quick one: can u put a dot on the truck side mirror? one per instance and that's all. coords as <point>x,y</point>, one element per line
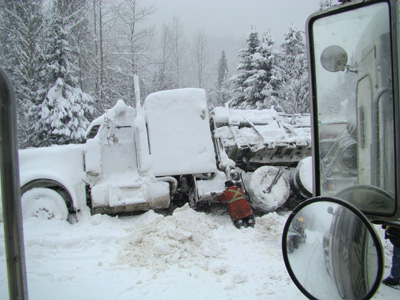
<point>334,58</point>
<point>355,114</point>
<point>332,251</point>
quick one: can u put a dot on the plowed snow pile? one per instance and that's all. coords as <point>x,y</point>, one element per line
<point>187,255</point>
<point>190,239</point>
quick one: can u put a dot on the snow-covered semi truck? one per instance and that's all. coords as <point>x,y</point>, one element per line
<point>143,158</point>
<point>133,159</point>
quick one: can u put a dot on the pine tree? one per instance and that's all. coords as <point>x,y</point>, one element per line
<point>324,4</point>
<point>159,81</point>
<point>257,83</point>
<point>222,70</point>
<point>242,83</point>
<point>61,108</point>
<point>222,91</point>
<point>270,73</point>
<point>295,88</point>
<point>21,33</point>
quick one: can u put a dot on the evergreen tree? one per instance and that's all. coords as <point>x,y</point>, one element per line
<point>61,109</point>
<point>222,92</point>
<point>295,88</point>
<point>21,26</point>
<point>257,83</point>
<point>324,4</point>
<point>222,70</point>
<point>270,73</point>
<point>159,81</point>
<point>242,84</point>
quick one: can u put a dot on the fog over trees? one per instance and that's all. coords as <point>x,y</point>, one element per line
<point>69,60</point>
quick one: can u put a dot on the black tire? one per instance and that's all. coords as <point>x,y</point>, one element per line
<point>296,243</point>
<point>290,245</point>
<point>296,181</point>
<point>297,185</point>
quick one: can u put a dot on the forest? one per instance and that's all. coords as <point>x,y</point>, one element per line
<point>70,60</point>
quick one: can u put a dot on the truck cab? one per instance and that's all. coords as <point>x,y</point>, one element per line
<point>140,158</point>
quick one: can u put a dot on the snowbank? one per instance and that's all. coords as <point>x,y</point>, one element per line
<point>187,255</point>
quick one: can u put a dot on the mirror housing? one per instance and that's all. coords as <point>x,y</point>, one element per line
<point>10,192</point>
<point>356,114</point>
<point>332,251</point>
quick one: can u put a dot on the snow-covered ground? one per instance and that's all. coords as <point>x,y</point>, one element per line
<point>186,255</point>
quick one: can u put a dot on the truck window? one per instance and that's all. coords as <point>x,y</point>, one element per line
<point>93,132</point>
<point>354,107</point>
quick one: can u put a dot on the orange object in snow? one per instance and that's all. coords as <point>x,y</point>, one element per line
<point>238,206</point>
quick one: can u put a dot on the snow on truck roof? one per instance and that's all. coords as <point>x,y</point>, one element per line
<point>235,116</point>
<point>179,132</point>
<point>120,108</point>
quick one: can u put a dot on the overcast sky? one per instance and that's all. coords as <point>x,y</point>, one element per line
<point>234,18</point>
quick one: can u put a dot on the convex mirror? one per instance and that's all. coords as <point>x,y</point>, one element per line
<point>332,251</point>
<point>334,58</point>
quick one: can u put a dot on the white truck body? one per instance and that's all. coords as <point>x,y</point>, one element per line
<point>179,133</point>
<point>132,160</point>
<point>47,166</point>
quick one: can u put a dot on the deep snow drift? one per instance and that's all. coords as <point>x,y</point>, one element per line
<point>186,255</point>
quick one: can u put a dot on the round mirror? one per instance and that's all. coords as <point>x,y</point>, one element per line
<point>334,58</point>
<point>332,251</point>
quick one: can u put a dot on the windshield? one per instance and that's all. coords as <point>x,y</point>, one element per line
<point>354,108</point>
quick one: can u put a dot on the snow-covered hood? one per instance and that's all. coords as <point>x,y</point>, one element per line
<point>64,164</point>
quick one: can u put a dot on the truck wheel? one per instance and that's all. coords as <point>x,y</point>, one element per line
<point>43,203</point>
<point>296,243</point>
<point>301,178</point>
<point>290,246</point>
<point>268,188</point>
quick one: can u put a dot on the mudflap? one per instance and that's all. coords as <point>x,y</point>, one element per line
<point>193,194</point>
